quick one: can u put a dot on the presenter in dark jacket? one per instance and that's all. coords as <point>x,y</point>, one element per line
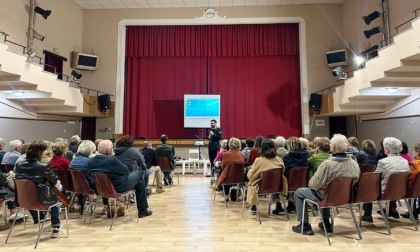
<point>215,135</point>
<point>120,176</point>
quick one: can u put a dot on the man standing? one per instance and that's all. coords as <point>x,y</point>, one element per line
<point>338,165</point>
<point>215,134</point>
<point>166,150</point>
<point>150,158</point>
<point>118,173</point>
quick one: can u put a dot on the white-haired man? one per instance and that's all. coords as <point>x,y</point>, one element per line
<point>338,165</point>
<point>281,150</point>
<point>14,153</point>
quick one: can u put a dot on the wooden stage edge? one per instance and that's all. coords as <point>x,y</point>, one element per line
<point>174,142</point>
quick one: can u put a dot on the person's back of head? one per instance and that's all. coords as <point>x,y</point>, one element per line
<point>258,142</point>
<point>147,145</point>
<point>164,138</point>
<point>294,144</point>
<point>280,142</point>
<point>125,141</point>
<point>234,144</point>
<point>36,149</point>
<point>323,144</point>
<point>105,147</point>
<point>59,148</point>
<point>353,142</point>
<point>369,146</point>
<point>15,145</point>
<point>404,148</point>
<point>75,139</point>
<point>224,144</point>
<point>417,151</point>
<point>86,148</point>
<point>339,143</point>
<point>268,149</point>
<point>393,145</point>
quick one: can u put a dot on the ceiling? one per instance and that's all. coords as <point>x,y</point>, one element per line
<point>133,4</point>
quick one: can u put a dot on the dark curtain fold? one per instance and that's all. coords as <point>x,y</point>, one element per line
<point>255,69</point>
<point>88,128</point>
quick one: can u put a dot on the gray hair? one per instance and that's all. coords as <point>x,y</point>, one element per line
<point>280,141</point>
<point>224,144</point>
<point>234,143</point>
<point>59,147</point>
<point>304,142</point>
<point>75,139</point>
<point>339,142</point>
<point>86,148</point>
<point>61,140</point>
<point>14,144</point>
<point>393,144</point>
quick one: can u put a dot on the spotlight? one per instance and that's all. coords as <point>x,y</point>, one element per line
<point>372,16</point>
<point>339,72</point>
<point>19,93</point>
<point>360,61</point>
<point>44,13</point>
<point>38,36</point>
<point>31,53</point>
<point>372,31</point>
<point>391,90</point>
<point>76,75</point>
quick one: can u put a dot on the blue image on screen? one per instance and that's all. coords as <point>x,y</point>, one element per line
<point>202,107</point>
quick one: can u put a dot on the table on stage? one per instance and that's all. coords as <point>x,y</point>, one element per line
<point>196,164</point>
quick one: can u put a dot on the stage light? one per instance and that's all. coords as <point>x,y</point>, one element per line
<point>339,72</point>
<point>391,90</point>
<point>31,53</point>
<point>76,75</point>
<point>373,31</point>
<point>372,16</point>
<point>44,13</point>
<point>38,36</point>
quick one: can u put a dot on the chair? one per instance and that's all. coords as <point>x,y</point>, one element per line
<point>271,182</point>
<point>194,158</point>
<point>367,168</point>
<point>368,190</point>
<point>26,197</point>
<point>66,182</point>
<point>298,178</point>
<point>3,204</point>
<point>413,193</point>
<point>164,165</point>
<point>235,177</point>
<point>8,168</point>
<point>338,193</point>
<point>396,189</point>
<point>81,186</point>
<point>105,188</point>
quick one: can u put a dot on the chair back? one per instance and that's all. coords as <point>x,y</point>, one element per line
<point>414,190</point>
<point>104,186</point>
<point>338,193</point>
<point>65,180</point>
<point>8,168</point>
<point>235,174</point>
<point>26,195</point>
<point>193,154</point>
<point>368,187</point>
<point>80,183</point>
<point>163,163</point>
<point>367,168</point>
<point>271,181</point>
<point>298,178</point>
<point>396,187</point>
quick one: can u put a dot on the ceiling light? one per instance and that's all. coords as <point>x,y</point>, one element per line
<point>339,72</point>
<point>372,16</point>
<point>391,90</point>
<point>44,13</point>
<point>359,60</point>
<point>19,93</point>
<point>31,53</point>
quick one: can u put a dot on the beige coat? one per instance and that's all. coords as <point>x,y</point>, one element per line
<point>260,166</point>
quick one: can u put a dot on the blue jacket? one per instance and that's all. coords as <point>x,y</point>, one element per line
<point>111,166</point>
<point>80,162</point>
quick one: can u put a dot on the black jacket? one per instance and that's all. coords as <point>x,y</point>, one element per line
<point>36,171</point>
<point>166,150</point>
<point>214,143</point>
<point>150,157</point>
<point>130,157</point>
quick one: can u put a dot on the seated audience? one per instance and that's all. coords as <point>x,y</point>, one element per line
<point>353,146</point>
<point>368,153</point>
<point>254,152</point>
<point>118,173</point>
<point>150,157</point>
<point>10,157</point>
<point>381,152</point>
<point>59,160</point>
<point>281,144</point>
<point>338,165</point>
<point>127,155</point>
<point>49,153</point>
<point>219,155</point>
<point>249,144</point>
<point>393,163</point>
<point>305,146</point>
<point>9,193</point>
<point>33,169</point>
<point>74,143</point>
<point>322,152</point>
<point>234,155</point>
<point>268,161</point>
<point>166,150</point>
<point>404,153</point>
<point>414,170</point>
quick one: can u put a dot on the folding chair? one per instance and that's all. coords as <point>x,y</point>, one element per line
<point>3,204</point>
<point>26,197</point>
<point>235,177</point>
<point>81,186</point>
<point>367,168</point>
<point>164,165</point>
<point>413,193</point>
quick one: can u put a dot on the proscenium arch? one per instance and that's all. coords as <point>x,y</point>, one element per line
<point>119,85</point>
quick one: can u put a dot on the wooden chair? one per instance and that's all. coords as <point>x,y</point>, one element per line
<point>81,186</point>
<point>235,177</point>
<point>338,193</point>
<point>26,197</point>
<point>271,182</point>
<point>105,188</point>
<point>164,165</point>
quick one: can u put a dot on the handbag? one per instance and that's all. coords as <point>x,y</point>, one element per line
<point>46,194</point>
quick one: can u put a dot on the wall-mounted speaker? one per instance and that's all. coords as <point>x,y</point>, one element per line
<point>315,101</point>
<point>104,102</point>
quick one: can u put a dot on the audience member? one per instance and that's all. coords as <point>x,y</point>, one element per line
<point>305,146</point>
<point>220,153</point>
<point>2,152</point>
<point>59,160</point>
<point>118,173</point>
<point>254,152</point>
<point>297,156</point>
<point>338,165</point>
<point>404,153</point>
<point>49,153</point>
<point>322,152</point>
<point>381,152</point>
<point>129,156</point>
<point>268,161</point>
<point>74,143</point>
<point>9,193</point>
<point>353,146</point>
<point>33,169</point>
<point>414,171</point>
<point>368,153</point>
<point>150,158</point>
<point>166,150</point>
<point>249,143</point>
<point>393,163</point>
<point>281,144</point>
<point>10,157</point>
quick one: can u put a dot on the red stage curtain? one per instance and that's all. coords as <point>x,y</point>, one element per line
<point>255,68</point>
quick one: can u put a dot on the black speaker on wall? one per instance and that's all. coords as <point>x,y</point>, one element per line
<point>104,102</point>
<point>315,101</point>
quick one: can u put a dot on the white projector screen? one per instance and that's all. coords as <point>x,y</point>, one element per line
<point>200,109</point>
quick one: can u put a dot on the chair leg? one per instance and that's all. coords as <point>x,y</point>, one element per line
<point>323,224</point>
<point>360,214</point>
<point>385,217</point>
<point>214,193</point>
<point>67,221</point>
<point>243,201</point>
<point>42,227</point>
<point>90,208</point>
<point>135,204</point>
<point>284,206</point>
<point>93,210</point>
<point>303,215</point>
<point>269,204</point>
<point>356,226</point>
<point>11,228</point>
<point>224,195</point>
<point>258,213</point>
<point>410,210</point>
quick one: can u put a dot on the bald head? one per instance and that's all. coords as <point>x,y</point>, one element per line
<point>105,147</point>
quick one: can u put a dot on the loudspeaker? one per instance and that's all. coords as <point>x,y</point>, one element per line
<point>315,101</point>
<point>104,102</point>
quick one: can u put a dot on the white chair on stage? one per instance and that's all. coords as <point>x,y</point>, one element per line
<point>193,158</point>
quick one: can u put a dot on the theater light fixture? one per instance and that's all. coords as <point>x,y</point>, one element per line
<point>38,36</point>
<point>76,75</point>
<point>44,13</point>
<point>373,31</point>
<point>339,72</point>
<point>372,16</point>
<point>391,90</point>
<point>31,53</point>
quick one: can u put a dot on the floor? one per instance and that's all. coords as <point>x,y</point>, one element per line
<point>186,219</point>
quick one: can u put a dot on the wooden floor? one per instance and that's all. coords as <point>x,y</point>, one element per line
<point>186,219</point>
